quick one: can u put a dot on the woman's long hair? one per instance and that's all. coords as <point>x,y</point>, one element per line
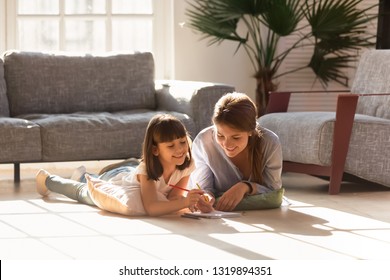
<point>238,111</point>
<point>162,128</point>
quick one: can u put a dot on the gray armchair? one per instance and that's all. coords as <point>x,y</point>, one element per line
<point>353,140</point>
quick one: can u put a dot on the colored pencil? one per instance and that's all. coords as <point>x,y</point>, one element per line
<point>206,198</point>
<point>183,189</point>
<point>177,187</point>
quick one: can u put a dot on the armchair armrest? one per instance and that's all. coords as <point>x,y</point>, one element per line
<point>196,99</point>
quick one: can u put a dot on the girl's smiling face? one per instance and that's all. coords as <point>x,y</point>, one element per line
<point>172,152</point>
<point>232,141</point>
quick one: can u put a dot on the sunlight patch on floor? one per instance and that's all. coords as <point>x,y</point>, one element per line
<point>7,231</point>
<point>378,234</point>
<point>62,204</point>
<point>28,248</point>
<point>39,225</point>
<point>18,207</point>
<point>175,247</point>
<point>296,203</point>
<point>241,227</point>
<point>278,246</point>
<point>349,244</point>
<point>96,247</point>
<point>106,223</point>
<point>342,220</point>
<point>264,227</point>
<point>322,227</point>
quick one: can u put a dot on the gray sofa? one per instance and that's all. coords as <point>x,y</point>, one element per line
<point>61,107</point>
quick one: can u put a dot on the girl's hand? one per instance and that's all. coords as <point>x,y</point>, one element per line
<point>193,197</point>
<point>232,197</point>
<point>205,203</point>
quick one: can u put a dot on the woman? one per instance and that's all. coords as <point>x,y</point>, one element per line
<point>235,158</point>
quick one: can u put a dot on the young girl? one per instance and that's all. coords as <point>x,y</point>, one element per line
<point>235,157</point>
<point>166,162</point>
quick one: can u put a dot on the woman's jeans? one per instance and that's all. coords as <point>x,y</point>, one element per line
<point>79,190</point>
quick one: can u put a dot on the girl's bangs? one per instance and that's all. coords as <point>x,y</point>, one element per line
<point>168,131</point>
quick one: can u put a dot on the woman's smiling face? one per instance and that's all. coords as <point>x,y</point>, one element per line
<point>232,141</point>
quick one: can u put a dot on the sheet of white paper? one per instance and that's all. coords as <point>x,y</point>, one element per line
<point>214,214</point>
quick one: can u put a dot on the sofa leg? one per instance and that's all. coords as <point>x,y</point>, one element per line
<point>16,172</point>
<point>335,183</point>
<point>346,107</point>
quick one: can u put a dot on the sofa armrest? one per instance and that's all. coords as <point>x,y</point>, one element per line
<point>196,99</point>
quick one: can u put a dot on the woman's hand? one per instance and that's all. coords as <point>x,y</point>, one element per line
<point>205,203</point>
<point>229,200</point>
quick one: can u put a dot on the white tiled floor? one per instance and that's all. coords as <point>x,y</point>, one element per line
<point>352,225</point>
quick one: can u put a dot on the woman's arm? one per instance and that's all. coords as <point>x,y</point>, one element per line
<point>272,174</point>
<point>154,207</point>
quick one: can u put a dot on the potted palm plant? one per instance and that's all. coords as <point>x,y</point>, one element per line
<point>333,29</point>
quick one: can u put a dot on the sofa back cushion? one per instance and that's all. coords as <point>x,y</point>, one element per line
<point>372,76</point>
<point>4,110</point>
<point>59,83</point>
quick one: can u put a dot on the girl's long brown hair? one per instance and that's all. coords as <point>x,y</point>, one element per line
<point>162,128</point>
<point>238,111</point>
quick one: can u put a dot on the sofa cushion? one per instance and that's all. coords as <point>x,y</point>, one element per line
<point>4,109</point>
<point>92,136</point>
<point>308,142</point>
<point>57,84</point>
<point>20,141</point>
<point>372,77</point>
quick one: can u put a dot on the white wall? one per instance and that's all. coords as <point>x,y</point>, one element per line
<point>2,23</point>
<point>196,61</point>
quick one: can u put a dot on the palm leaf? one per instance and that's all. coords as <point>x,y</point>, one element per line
<point>345,43</point>
<point>338,27</point>
<point>233,8</point>
<point>328,68</point>
<point>283,16</point>
<point>329,19</point>
<point>209,18</point>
